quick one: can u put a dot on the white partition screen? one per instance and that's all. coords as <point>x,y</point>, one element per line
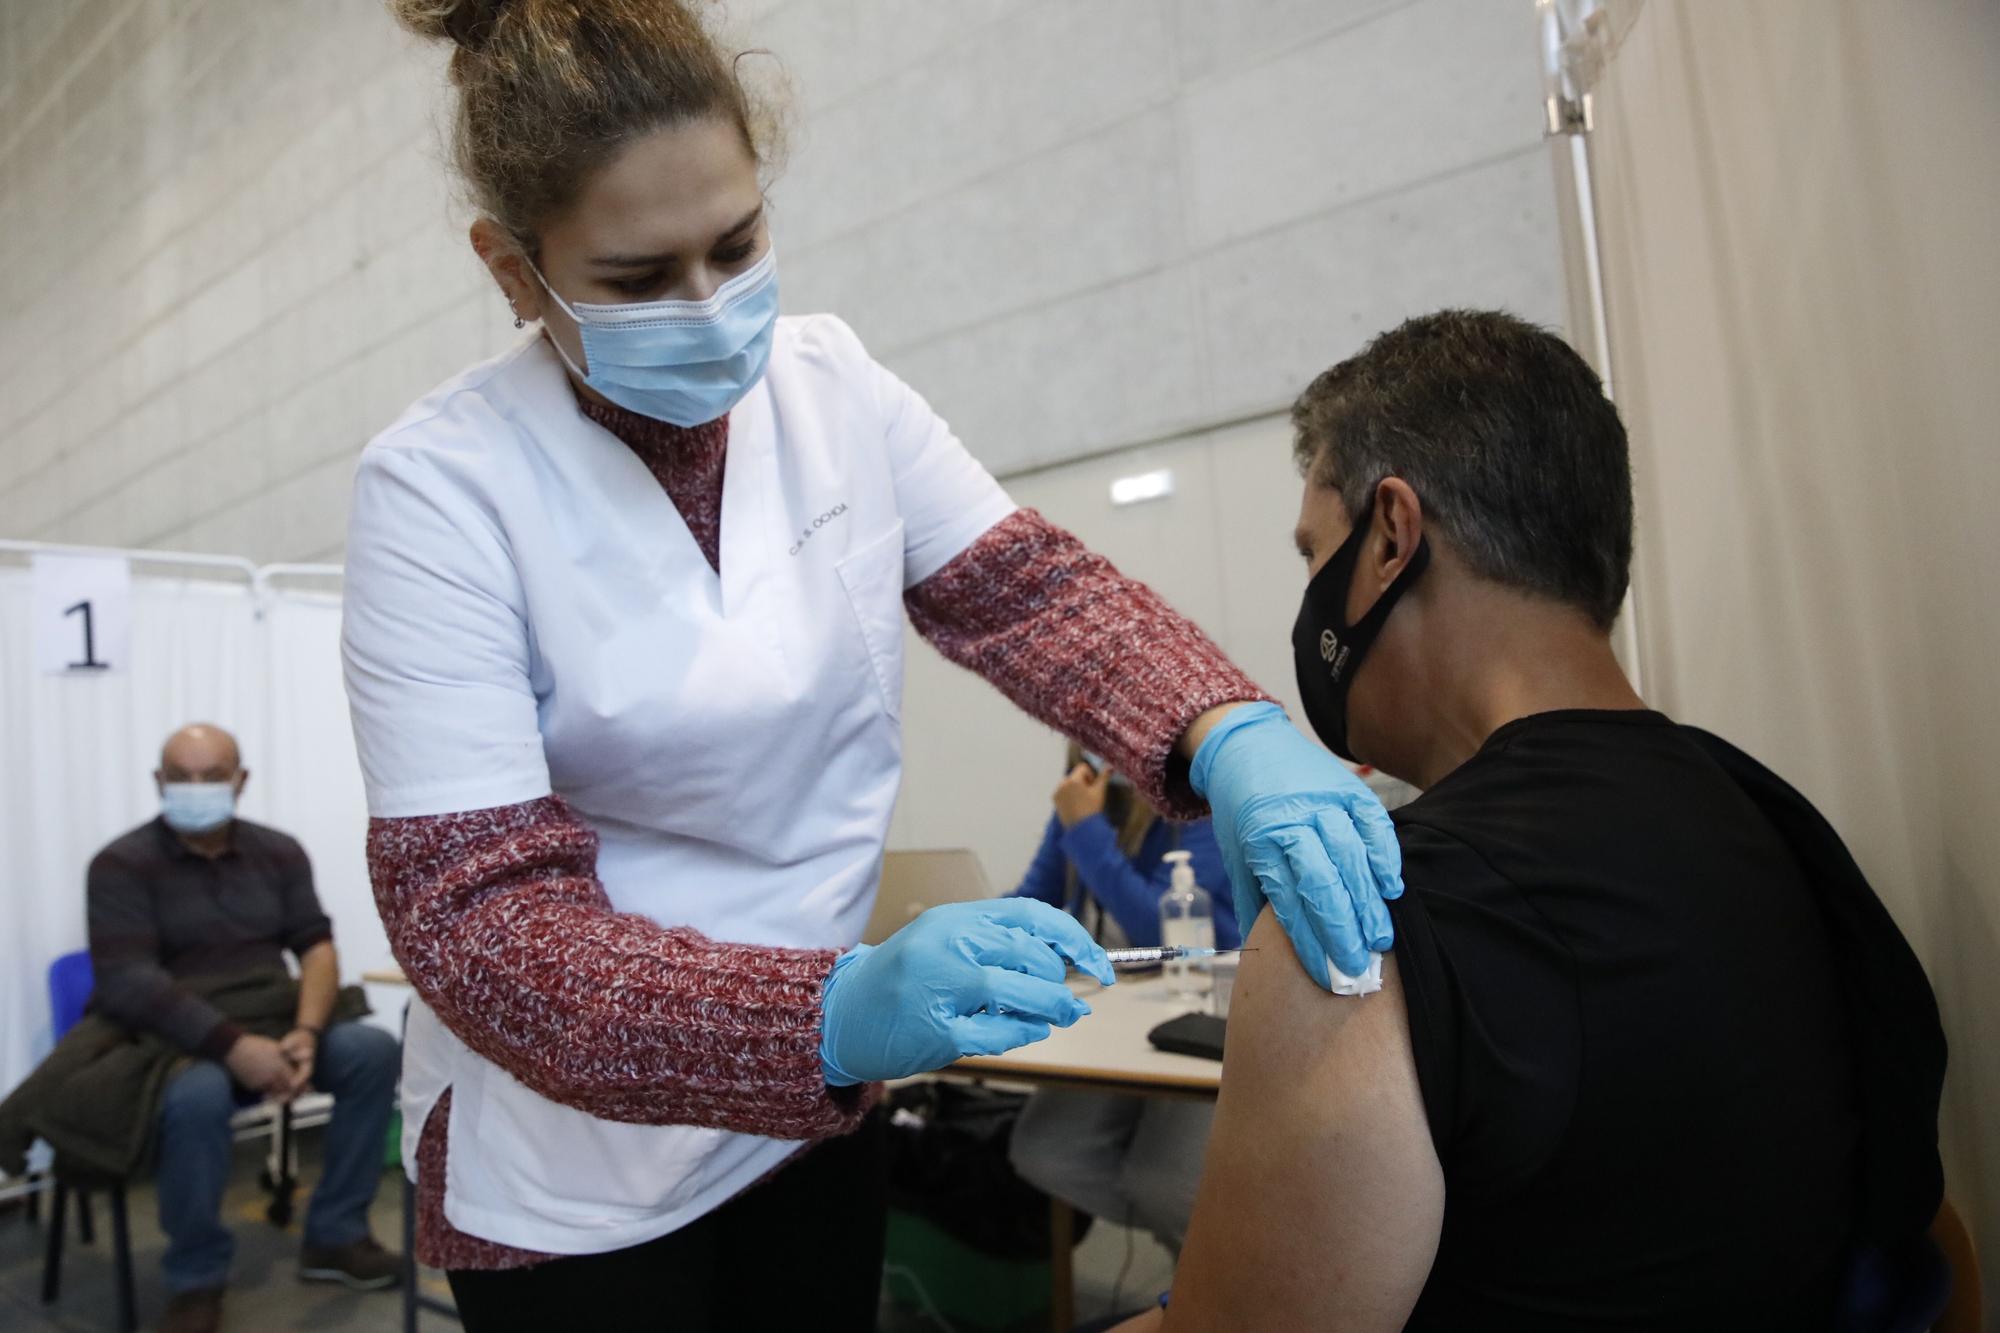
<point>77,753</point>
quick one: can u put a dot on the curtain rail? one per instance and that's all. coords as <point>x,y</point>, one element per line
<point>256,575</point>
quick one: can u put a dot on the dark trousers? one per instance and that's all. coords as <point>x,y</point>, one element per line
<point>358,1065</point>
<point>801,1250</point>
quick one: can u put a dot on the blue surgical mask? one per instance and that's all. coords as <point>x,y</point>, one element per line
<point>197,807</point>
<point>687,362</point>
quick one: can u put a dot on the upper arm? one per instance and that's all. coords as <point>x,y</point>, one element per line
<point>1321,1195</point>
<point>946,499</point>
<point>306,923</point>
<point>434,642</point>
<point>119,915</point>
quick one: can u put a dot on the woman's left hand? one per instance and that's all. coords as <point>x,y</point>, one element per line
<point>1298,830</point>
<point>1081,795</point>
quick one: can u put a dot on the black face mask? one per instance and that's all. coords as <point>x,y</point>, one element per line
<point>1326,650</point>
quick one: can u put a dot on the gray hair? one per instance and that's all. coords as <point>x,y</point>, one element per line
<point>1506,436</point>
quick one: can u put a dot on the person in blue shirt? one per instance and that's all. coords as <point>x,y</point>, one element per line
<point>1131,1160</point>
<point>1102,859</point>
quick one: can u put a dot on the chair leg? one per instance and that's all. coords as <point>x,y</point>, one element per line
<point>274,1150</point>
<point>86,1218</point>
<point>52,1258</point>
<point>121,1250</point>
<point>283,1173</point>
<point>409,1253</point>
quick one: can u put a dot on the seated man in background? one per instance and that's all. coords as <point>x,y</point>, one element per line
<point>195,896</point>
<point>1649,1053</point>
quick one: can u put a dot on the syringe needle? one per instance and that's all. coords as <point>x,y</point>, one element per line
<point>1163,953</point>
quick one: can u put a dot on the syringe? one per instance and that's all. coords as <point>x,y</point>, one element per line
<point>1160,953</point>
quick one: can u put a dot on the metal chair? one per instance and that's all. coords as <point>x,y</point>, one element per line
<point>70,984</point>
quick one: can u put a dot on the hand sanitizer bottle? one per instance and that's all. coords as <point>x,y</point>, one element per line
<point>1187,918</point>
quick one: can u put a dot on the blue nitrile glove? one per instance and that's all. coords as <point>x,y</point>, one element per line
<point>962,979</point>
<point>1300,831</point>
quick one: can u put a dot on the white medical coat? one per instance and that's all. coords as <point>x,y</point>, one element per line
<point>527,612</point>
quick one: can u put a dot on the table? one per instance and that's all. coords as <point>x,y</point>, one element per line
<point>1106,1051</point>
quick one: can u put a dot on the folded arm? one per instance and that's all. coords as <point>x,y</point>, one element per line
<point>1321,1195</point>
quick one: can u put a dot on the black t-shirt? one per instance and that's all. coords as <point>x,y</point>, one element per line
<point>1630,1038</point>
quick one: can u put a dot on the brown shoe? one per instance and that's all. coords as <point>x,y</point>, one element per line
<point>193,1312</point>
<point>362,1266</point>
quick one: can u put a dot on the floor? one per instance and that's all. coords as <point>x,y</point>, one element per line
<point>1111,1263</point>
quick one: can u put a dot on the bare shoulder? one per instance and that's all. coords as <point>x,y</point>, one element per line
<point>1280,1019</point>
<point>1321,1195</point>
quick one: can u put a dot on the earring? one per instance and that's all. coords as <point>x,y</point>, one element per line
<point>520,323</point>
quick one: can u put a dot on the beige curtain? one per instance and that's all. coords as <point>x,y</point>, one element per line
<point>1799,202</point>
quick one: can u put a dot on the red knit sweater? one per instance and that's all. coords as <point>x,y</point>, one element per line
<point>499,921</point>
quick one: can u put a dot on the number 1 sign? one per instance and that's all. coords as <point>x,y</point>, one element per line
<point>83,613</point>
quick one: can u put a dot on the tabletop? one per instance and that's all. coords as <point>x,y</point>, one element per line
<point>1107,1049</point>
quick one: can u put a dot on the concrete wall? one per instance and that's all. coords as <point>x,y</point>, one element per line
<point>229,263</point>
<point>232,253</point>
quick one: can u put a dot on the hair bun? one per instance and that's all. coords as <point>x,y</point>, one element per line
<point>469,23</point>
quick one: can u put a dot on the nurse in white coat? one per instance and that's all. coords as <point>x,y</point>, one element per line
<point>624,638</point>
